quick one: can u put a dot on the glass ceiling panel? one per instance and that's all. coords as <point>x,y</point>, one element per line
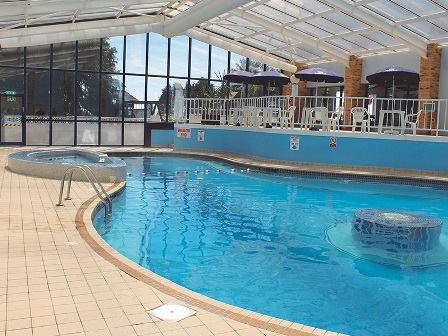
<point>287,7</point>
<point>224,31</point>
<point>305,52</point>
<point>272,14</point>
<point>272,42</point>
<point>311,30</point>
<point>258,44</point>
<point>346,45</point>
<point>312,6</point>
<point>346,21</point>
<point>419,7</point>
<point>390,10</point>
<point>427,30</point>
<point>329,25</point>
<point>364,42</point>
<point>382,38</point>
<point>441,22</point>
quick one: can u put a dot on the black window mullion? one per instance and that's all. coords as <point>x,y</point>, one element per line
<point>168,63</point>
<point>50,128</point>
<point>209,70</point>
<point>75,135</point>
<point>100,103</point>
<point>145,112</point>
<point>122,91</point>
<point>25,100</point>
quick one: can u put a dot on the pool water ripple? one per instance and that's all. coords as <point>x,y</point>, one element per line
<point>258,241</point>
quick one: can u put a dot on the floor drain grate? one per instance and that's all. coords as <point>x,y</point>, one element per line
<point>172,312</point>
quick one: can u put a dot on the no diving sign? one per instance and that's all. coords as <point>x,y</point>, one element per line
<point>333,142</point>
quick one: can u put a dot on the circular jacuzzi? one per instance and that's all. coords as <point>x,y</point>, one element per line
<point>396,230</point>
<point>53,164</point>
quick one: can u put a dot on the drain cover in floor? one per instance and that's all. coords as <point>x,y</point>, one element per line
<point>172,312</point>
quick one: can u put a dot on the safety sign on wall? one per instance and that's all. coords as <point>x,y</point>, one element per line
<point>333,142</point>
<point>201,135</point>
<point>183,133</point>
<point>294,142</point>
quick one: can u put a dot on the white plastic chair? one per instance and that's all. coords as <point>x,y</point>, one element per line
<point>358,117</point>
<point>306,117</point>
<point>412,120</point>
<point>286,117</point>
<point>321,115</point>
<point>335,119</point>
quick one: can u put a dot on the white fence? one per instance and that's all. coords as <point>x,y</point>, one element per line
<point>382,115</point>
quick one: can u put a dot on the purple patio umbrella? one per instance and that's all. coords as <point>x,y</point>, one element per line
<point>273,78</point>
<point>396,74</point>
<point>319,75</point>
<point>239,76</point>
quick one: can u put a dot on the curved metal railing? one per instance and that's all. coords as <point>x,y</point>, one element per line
<point>90,176</point>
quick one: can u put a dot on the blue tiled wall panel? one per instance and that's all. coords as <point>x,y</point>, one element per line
<point>380,151</point>
<point>162,137</point>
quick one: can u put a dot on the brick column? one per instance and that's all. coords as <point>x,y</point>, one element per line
<point>286,89</point>
<point>352,86</point>
<point>429,83</point>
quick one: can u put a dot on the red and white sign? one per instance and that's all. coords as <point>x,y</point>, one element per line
<point>333,142</point>
<point>184,133</point>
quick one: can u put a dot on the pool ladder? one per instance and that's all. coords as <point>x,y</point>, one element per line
<point>96,185</point>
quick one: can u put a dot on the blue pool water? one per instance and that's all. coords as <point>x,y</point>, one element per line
<point>259,241</point>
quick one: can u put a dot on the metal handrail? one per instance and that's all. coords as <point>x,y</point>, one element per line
<point>90,176</point>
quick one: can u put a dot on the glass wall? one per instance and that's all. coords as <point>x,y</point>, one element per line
<point>101,91</point>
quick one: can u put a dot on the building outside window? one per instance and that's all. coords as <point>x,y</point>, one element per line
<point>99,91</point>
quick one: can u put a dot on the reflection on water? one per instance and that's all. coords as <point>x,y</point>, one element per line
<point>260,241</point>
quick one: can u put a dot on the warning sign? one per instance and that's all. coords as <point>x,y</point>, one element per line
<point>333,142</point>
<point>184,133</point>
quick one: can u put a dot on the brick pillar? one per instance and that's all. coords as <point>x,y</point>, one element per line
<point>286,89</point>
<point>352,87</point>
<point>429,83</point>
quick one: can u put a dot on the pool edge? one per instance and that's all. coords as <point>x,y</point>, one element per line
<point>84,225</point>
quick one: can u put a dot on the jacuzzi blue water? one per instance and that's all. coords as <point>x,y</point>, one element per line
<point>259,241</point>
<point>71,159</point>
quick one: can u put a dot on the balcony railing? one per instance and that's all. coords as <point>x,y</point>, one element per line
<point>357,114</point>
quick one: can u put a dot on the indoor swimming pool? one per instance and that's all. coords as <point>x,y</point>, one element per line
<point>285,245</point>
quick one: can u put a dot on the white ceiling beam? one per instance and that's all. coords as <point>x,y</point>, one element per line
<point>240,49</point>
<point>79,31</point>
<point>14,8</point>
<point>412,41</point>
<point>199,13</point>
<point>82,26</point>
<point>334,52</point>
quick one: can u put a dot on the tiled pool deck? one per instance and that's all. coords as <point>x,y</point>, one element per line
<point>53,283</point>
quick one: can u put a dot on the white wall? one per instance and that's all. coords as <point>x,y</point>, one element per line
<point>404,59</point>
<point>443,81</point>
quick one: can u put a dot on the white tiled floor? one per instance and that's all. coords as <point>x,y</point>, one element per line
<point>49,287</point>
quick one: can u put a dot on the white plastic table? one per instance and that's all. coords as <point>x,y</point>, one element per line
<point>392,114</point>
